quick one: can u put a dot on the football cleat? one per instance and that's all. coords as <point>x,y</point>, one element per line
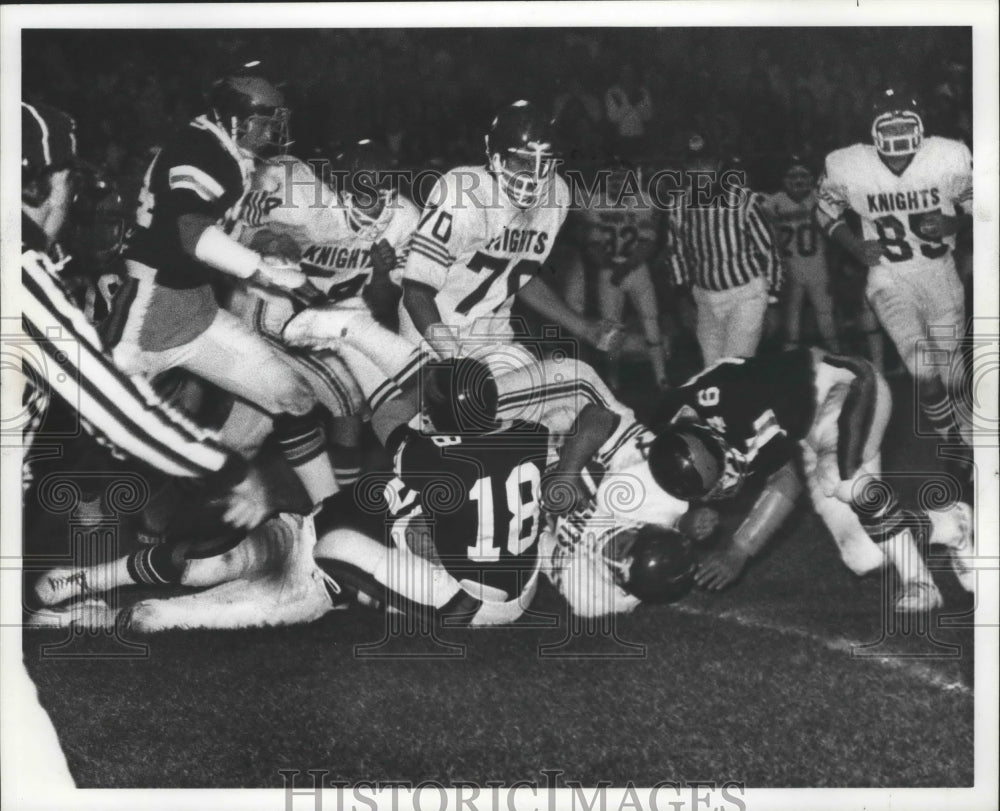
<point>918,597</point>
<point>59,585</point>
<point>91,613</point>
<point>955,528</point>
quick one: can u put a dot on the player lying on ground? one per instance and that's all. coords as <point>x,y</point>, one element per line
<point>762,417</point>
<point>597,527</point>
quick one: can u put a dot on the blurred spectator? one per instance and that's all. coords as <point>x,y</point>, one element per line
<point>629,109</point>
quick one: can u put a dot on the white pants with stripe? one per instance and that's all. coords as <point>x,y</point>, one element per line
<point>731,322</point>
<point>922,307</point>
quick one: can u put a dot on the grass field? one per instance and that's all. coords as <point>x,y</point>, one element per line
<point>795,677</point>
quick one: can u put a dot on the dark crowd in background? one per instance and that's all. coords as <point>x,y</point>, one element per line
<point>430,94</point>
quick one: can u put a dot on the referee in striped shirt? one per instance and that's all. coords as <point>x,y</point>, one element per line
<point>718,242</point>
<point>63,355</point>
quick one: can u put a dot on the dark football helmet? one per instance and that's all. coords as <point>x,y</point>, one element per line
<point>897,124</point>
<point>460,396</point>
<point>253,112</point>
<point>520,153</point>
<point>364,177</point>
<point>798,178</point>
<point>659,563</point>
<point>690,461</point>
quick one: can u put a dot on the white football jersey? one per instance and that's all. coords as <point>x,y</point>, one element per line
<point>621,228</point>
<point>477,249</point>
<point>892,207</point>
<point>287,197</point>
<point>799,238</point>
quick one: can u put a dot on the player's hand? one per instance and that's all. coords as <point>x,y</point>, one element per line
<point>273,271</point>
<point>272,243</point>
<point>720,568</point>
<point>699,524</point>
<point>607,337</point>
<point>564,492</point>
<point>936,225</point>
<point>383,257</point>
<point>248,503</point>
<point>871,252</point>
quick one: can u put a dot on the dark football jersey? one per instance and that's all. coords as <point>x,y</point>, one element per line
<point>200,171</point>
<point>762,406</point>
<point>478,496</point>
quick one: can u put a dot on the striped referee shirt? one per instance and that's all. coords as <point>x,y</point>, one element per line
<point>65,355</point>
<point>719,246</point>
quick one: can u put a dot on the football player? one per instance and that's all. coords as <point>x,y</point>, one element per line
<point>621,236</point>
<point>454,531</point>
<point>756,418</point>
<point>793,215</point>
<point>913,195</point>
<point>482,239</point>
<point>166,314</point>
<point>598,494</point>
<point>350,230</point>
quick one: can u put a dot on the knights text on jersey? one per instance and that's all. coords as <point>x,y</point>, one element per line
<point>892,207</point>
<point>287,197</point>
<point>799,238</point>
<point>480,497</point>
<point>199,172</point>
<point>476,248</point>
<point>762,406</point>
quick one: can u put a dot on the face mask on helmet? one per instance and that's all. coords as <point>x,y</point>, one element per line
<point>369,214</point>
<point>460,396</point>
<point>252,111</point>
<point>898,133</point>
<point>524,173</point>
<point>97,219</point>
<point>652,563</point>
<point>692,462</point>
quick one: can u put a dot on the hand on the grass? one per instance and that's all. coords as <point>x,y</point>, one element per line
<point>249,503</point>
<point>720,568</point>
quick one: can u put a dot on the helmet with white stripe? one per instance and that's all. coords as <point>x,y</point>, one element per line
<point>520,153</point>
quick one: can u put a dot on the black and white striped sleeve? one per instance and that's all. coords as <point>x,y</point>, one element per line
<point>120,410</point>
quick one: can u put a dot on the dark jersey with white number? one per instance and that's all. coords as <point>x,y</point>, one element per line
<point>199,172</point>
<point>478,496</point>
<point>762,406</point>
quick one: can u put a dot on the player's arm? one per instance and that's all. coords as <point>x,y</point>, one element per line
<point>763,237</point>
<point>200,194</point>
<point>550,305</point>
<point>593,427</point>
<point>937,225</point>
<point>832,203</point>
<point>721,567</point>
<point>440,237</point>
